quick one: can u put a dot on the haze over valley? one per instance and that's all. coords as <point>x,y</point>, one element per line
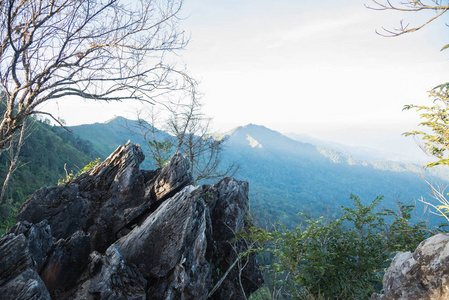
<point>287,176</point>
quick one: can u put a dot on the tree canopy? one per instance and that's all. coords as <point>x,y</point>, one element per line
<point>342,258</point>
<point>436,119</point>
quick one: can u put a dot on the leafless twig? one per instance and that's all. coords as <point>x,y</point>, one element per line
<point>409,6</point>
<point>105,50</point>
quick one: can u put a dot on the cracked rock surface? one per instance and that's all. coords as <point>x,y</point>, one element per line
<point>423,274</point>
<point>118,232</point>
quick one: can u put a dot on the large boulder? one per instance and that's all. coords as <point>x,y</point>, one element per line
<point>18,276</point>
<point>108,199</point>
<point>423,274</point>
<point>118,232</point>
<point>111,277</point>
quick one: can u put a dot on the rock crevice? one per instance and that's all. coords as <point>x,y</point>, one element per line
<point>118,232</point>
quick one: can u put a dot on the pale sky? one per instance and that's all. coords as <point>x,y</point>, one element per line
<point>303,66</point>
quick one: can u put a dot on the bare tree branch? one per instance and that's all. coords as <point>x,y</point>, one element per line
<point>14,149</point>
<point>409,6</point>
<point>190,133</point>
<point>103,50</point>
<point>160,148</point>
<point>191,130</point>
<point>242,249</point>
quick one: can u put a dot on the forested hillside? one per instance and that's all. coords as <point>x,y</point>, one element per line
<point>106,137</point>
<point>287,177</point>
<point>46,151</point>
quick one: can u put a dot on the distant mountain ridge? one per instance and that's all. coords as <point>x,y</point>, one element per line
<point>412,155</point>
<point>107,136</point>
<point>333,155</point>
<point>287,176</point>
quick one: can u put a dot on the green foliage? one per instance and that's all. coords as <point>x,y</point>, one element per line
<point>342,258</point>
<point>404,235</point>
<point>286,176</point>
<point>436,119</point>
<point>161,152</point>
<point>42,158</point>
<point>261,294</point>
<point>8,212</point>
<point>41,163</point>
<point>70,176</point>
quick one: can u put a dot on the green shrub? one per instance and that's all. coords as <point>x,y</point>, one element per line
<point>70,176</point>
<point>342,258</point>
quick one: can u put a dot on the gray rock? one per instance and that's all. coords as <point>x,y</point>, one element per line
<point>112,278</point>
<point>55,204</point>
<point>108,200</point>
<point>40,240</point>
<point>15,256</point>
<point>67,261</point>
<point>423,274</point>
<point>175,251</point>
<point>376,296</point>
<point>18,278</point>
<point>231,208</point>
<point>26,285</point>
<point>161,237</point>
<point>229,198</point>
<point>172,179</point>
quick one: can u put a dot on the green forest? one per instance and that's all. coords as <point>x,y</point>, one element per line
<point>47,156</point>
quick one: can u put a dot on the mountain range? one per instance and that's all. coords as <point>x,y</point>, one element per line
<point>106,137</point>
<point>287,176</point>
<point>394,148</point>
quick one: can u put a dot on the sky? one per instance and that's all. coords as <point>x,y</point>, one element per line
<point>313,67</point>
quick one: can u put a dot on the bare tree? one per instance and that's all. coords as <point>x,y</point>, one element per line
<point>159,143</point>
<point>104,50</point>
<point>244,247</point>
<point>435,6</point>
<point>191,130</point>
<point>189,133</point>
<point>13,148</point>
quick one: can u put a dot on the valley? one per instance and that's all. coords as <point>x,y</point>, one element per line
<point>287,176</point>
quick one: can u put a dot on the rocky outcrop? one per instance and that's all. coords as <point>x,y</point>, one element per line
<point>118,232</point>
<point>422,275</point>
